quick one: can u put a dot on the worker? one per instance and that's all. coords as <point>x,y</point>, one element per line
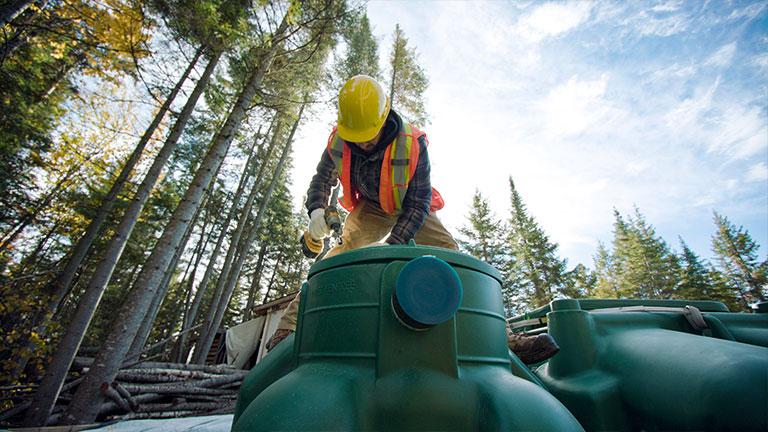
<point>384,169</point>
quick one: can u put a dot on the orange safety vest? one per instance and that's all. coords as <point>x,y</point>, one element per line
<point>400,160</point>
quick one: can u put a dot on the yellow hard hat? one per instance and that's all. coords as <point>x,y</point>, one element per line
<point>363,108</point>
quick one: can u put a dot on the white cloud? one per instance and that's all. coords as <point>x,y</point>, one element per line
<point>552,19</point>
<point>748,12</point>
<point>757,173</point>
<point>739,132</point>
<point>636,167</point>
<point>652,23</point>
<point>670,6</point>
<point>689,111</point>
<point>675,71</point>
<point>723,56</point>
<point>577,105</point>
<point>761,61</point>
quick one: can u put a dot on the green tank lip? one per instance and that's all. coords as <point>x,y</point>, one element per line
<point>402,253</point>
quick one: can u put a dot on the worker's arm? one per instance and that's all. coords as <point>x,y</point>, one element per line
<point>321,184</point>
<point>417,200</point>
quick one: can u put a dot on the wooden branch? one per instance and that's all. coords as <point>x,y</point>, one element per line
<point>166,340</point>
<point>110,407</point>
<point>185,406</point>
<point>85,362</point>
<point>125,394</point>
<point>175,390</point>
<point>15,410</point>
<point>161,375</point>
<point>112,394</point>
<point>154,415</point>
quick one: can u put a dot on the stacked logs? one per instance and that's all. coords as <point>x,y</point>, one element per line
<point>158,390</point>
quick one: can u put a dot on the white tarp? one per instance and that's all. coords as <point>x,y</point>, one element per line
<point>273,320</point>
<point>214,423</point>
<point>243,340</point>
<point>249,337</point>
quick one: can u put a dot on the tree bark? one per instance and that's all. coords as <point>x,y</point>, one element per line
<point>33,214</point>
<point>85,404</point>
<point>146,325</point>
<point>209,332</point>
<point>112,394</point>
<point>45,398</point>
<point>189,282</point>
<point>12,9</point>
<point>191,316</point>
<point>247,313</point>
<point>394,68</point>
<point>60,286</point>
<point>234,275</point>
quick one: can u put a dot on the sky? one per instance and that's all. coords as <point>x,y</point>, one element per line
<point>589,107</point>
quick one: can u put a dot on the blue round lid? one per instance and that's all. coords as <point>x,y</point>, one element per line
<point>428,290</point>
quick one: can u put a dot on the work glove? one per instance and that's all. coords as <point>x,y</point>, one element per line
<point>318,229</point>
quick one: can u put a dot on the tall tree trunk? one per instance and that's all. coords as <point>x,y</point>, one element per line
<point>207,333</point>
<point>191,315</point>
<point>275,268</point>
<point>60,286</point>
<point>189,283</point>
<point>50,386</point>
<point>31,259</point>
<point>234,275</point>
<point>394,67</point>
<point>31,216</point>
<point>247,312</point>
<point>146,325</point>
<point>85,404</point>
<point>10,10</point>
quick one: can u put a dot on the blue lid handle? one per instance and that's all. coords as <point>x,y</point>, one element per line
<point>428,292</point>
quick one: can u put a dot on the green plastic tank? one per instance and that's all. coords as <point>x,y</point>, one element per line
<point>644,365</point>
<point>398,338</point>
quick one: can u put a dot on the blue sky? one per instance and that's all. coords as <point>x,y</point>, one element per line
<point>590,107</point>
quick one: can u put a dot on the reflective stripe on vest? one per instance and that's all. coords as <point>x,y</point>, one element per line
<point>397,168</point>
<point>341,156</point>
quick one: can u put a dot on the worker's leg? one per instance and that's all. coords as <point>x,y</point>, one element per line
<point>433,233</point>
<point>365,225</point>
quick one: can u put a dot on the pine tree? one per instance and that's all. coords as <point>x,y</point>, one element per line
<point>539,273</point>
<point>407,80</point>
<point>362,56</point>
<point>606,285</point>
<point>581,282</point>
<point>738,261</point>
<point>643,264</point>
<point>484,238</point>
<point>694,282</point>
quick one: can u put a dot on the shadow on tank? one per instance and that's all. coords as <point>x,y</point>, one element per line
<point>398,338</point>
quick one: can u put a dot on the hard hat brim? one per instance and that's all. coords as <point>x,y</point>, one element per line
<point>357,136</point>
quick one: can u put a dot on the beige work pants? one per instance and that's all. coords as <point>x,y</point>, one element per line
<point>367,225</point>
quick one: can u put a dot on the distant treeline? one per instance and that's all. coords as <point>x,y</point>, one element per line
<point>638,263</point>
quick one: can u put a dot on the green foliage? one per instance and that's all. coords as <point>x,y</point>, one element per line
<point>484,238</point>
<point>738,261</point>
<point>541,274</point>
<point>407,80</point>
<point>213,23</point>
<point>361,56</point>
<point>581,282</point>
<point>644,266</point>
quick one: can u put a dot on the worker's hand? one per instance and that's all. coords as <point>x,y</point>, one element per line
<point>318,229</point>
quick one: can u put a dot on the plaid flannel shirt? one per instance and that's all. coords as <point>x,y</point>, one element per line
<point>366,172</point>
